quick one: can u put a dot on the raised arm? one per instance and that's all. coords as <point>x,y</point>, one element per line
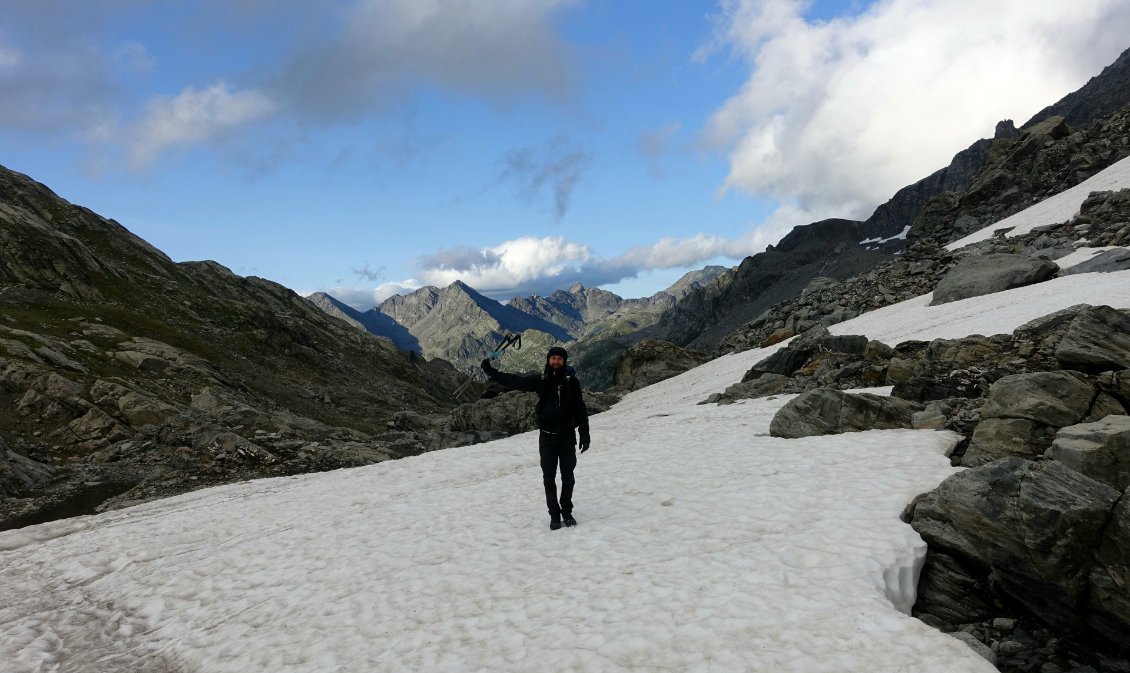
<point>526,382</point>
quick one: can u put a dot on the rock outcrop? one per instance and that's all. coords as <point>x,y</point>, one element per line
<point>1034,530</point>
<point>651,361</point>
<point>985,274</point>
<point>125,376</point>
<point>826,412</point>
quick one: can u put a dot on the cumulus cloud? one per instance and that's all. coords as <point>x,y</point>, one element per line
<point>193,116</point>
<point>525,261</point>
<point>531,265</point>
<point>836,116</point>
<point>554,167</point>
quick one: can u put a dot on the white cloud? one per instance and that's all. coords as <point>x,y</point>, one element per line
<point>528,265</point>
<point>193,116</point>
<point>509,265</point>
<point>837,116</point>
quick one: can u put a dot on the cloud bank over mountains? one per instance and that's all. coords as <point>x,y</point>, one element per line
<point>836,116</point>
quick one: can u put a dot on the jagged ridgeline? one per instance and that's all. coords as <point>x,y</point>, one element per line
<point>460,325</point>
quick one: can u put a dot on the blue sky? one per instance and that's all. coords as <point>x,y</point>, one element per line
<point>363,147</point>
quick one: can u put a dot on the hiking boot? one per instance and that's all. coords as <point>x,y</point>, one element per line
<point>567,519</point>
<point>554,521</point>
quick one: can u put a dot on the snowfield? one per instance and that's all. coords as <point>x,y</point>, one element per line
<point>703,545</point>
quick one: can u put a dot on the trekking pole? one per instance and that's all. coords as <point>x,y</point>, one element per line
<point>508,340</point>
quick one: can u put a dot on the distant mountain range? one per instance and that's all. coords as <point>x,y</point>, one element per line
<point>460,325</point>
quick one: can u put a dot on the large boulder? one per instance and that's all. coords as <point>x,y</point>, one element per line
<point>986,274</point>
<point>652,361</point>
<point>1100,450</point>
<point>136,407</point>
<point>948,591</point>
<point>1034,527</point>
<point>1052,398</point>
<point>509,413</point>
<point>1107,261</point>
<point>18,473</point>
<point>1097,340</point>
<point>825,411</point>
<point>1024,411</point>
<point>790,359</point>
<point>1109,599</point>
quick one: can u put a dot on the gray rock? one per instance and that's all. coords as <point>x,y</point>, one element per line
<point>97,428</point>
<point>785,362</point>
<point>1100,450</point>
<point>818,284</point>
<point>825,411</point>
<point>985,274</point>
<point>143,361</point>
<point>18,473</point>
<point>1103,406</point>
<point>1034,526</point>
<point>766,384</point>
<point>878,351</point>
<point>140,410</point>
<point>845,343</point>
<point>1051,398</point>
<point>651,361</point>
<point>1104,262</point>
<point>230,447</point>
<point>509,413</point>
<point>810,338</point>
<point>933,417</point>
<point>1098,340</point>
<point>1117,384</point>
<point>949,591</point>
<point>996,438</point>
<point>1109,599</point>
<point>902,369</point>
<point>977,646</point>
<point>59,360</point>
<point>136,407</point>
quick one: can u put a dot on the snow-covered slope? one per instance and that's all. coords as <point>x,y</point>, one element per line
<point>703,545</point>
<point>1054,209</point>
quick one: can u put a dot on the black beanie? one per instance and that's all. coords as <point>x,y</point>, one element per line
<point>557,350</point>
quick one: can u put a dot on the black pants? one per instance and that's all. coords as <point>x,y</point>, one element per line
<point>556,449</point>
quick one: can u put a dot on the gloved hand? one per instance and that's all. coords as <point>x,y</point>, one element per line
<point>585,441</point>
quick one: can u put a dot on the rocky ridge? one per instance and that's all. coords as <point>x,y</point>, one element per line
<point>125,376</point>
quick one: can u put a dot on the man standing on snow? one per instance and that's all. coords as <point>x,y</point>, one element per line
<point>560,408</point>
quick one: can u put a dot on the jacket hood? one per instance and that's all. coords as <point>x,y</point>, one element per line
<point>557,350</point>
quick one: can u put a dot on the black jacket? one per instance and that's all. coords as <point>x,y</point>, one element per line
<point>560,405</point>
